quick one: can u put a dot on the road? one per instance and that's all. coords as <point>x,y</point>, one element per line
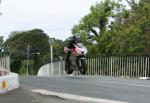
<point>110,88</point>
<point>127,90</point>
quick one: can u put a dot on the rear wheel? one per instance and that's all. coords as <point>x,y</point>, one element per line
<point>83,67</point>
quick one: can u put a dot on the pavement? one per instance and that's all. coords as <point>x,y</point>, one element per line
<point>24,95</point>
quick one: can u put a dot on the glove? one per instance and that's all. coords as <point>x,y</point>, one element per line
<point>65,49</point>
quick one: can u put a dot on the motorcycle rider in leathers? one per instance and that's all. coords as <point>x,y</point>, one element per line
<point>71,44</point>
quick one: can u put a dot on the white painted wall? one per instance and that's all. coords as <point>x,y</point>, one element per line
<point>12,82</point>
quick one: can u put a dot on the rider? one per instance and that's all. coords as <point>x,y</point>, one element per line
<point>71,44</point>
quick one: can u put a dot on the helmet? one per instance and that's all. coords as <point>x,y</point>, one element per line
<point>77,38</point>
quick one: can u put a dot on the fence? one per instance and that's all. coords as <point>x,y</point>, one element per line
<point>4,65</point>
<point>108,66</point>
<point>119,66</point>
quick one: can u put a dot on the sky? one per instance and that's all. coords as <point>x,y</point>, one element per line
<point>55,17</point>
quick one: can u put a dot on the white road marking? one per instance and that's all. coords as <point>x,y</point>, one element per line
<point>137,85</point>
<point>74,97</point>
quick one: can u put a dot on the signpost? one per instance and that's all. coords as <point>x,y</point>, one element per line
<point>4,85</point>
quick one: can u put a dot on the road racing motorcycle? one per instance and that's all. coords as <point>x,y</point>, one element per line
<point>77,59</point>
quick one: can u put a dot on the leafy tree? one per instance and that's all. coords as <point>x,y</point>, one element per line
<point>93,26</point>
<point>18,43</point>
<point>129,35</point>
<point>110,29</point>
<point>96,22</point>
<point>1,45</point>
<point>58,47</point>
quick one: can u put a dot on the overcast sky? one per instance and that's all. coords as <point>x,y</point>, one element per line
<point>55,17</point>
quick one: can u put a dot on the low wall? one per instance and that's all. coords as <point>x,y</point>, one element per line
<point>55,68</point>
<point>9,82</point>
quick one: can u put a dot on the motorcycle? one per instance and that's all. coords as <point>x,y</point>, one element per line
<point>77,59</point>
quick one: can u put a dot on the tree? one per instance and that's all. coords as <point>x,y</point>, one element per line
<point>133,4</point>
<point>58,47</point>
<point>18,43</point>
<point>129,35</point>
<point>1,45</point>
<point>111,30</point>
<point>94,25</point>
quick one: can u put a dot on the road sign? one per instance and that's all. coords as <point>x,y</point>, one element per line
<point>4,84</point>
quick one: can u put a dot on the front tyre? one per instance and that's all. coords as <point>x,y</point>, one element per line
<point>83,67</point>
<point>67,68</point>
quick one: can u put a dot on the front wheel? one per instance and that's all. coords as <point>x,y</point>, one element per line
<point>83,67</point>
<point>68,69</point>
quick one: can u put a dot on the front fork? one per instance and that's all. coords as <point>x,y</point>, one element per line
<point>78,61</point>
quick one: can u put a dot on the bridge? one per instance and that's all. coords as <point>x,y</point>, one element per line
<point>130,67</point>
<point>52,85</point>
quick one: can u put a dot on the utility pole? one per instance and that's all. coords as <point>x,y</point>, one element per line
<point>28,59</point>
<point>51,41</point>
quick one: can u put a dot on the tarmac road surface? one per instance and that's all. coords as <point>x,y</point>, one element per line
<point>101,87</point>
